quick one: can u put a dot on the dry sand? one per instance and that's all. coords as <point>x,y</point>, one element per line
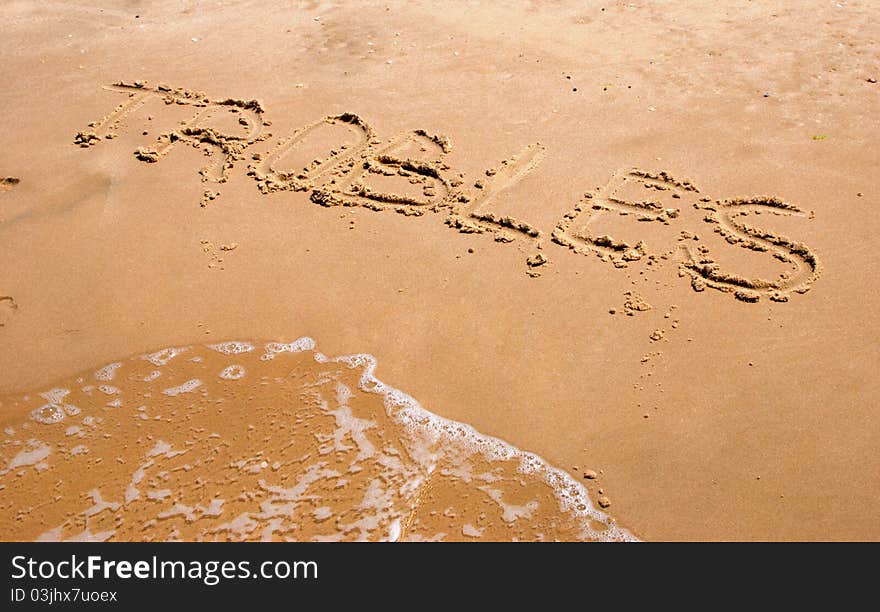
<point>633,238</point>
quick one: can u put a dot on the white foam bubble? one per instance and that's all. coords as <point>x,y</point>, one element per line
<point>48,414</point>
<point>55,396</point>
<point>187,387</point>
<point>86,535</point>
<point>348,427</point>
<point>162,448</point>
<point>394,530</point>
<point>99,504</point>
<point>232,347</point>
<point>131,491</point>
<point>215,508</point>
<point>343,394</point>
<point>152,376</point>
<point>322,513</point>
<point>35,452</point>
<point>297,346</point>
<point>108,389</point>
<point>53,535</point>
<point>510,512</point>
<point>470,531</point>
<point>107,373</point>
<point>160,358</point>
<point>233,372</point>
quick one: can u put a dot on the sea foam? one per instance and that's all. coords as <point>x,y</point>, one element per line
<point>317,448</point>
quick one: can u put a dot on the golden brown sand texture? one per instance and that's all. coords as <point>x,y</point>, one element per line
<point>636,239</point>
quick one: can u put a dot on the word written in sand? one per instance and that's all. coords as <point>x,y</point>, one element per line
<point>408,174</point>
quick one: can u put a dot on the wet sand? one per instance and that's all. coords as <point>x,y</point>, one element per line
<point>236,441</point>
<point>633,239</point>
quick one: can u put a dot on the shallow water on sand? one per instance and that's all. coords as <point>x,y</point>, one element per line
<point>240,441</point>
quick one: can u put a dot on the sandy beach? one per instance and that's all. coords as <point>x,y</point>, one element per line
<point>607,266</point>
